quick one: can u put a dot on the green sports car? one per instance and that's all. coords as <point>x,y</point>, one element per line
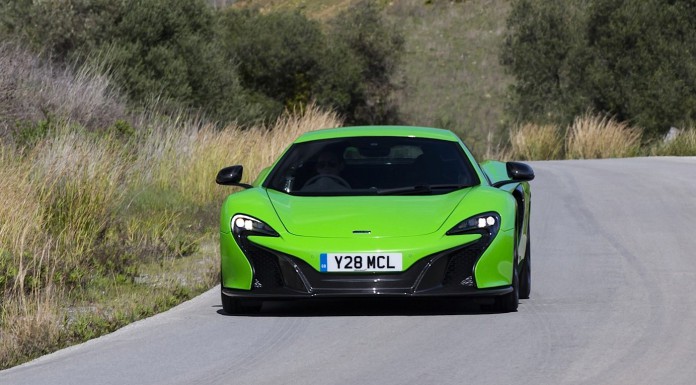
<point>381,211</point>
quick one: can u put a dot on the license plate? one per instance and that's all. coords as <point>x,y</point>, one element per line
<point>360,262</point>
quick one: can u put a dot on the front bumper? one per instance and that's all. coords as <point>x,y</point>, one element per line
<point>278,275</point>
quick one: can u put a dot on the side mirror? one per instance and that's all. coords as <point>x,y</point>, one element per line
<point>519,172</point>
<point>231,176</point>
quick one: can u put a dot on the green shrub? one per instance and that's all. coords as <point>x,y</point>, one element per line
<point>289,61</point>
<point>371,48</point>
<point>161,50</point>
<point>230,65</point>
<point>64,29</point>
<point>542,37</point>
<point>631,59</point>
<point>169,50</point>
<point>278,55</point>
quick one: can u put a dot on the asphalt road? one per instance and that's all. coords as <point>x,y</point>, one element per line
<point>613,302</point>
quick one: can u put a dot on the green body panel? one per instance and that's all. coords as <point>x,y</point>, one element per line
<point>383,216</point>
<point>236,271</point>
<point>494,268</point>
<point>261,177</point>
<point>418,132</point>
<point>496,171</point>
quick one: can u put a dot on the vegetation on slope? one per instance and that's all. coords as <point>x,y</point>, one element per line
<point>111,136</point>
<point>107,219</point>
<point>231,65</point>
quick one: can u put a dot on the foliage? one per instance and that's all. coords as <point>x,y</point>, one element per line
<point>291,61</point>
<point>63,28</point>
<point>532,142</point>
<point>170,50</point>
<point>683,144</point>
<point>241,66</point>
<point>154,49</point>
<point>375,46</point>
<point>631,59</point>
<point>278,55</point>
<point>539,47</point>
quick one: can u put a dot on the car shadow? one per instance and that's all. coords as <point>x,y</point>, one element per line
<point>369,307</point>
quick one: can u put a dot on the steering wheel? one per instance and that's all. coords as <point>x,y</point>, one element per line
<point>335,178</point>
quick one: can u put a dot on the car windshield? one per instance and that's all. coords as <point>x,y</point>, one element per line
<point>372,166</point>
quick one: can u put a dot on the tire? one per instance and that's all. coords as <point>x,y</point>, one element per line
<point>232,305</point>
<point>526,274</point>
<point>508,303</point>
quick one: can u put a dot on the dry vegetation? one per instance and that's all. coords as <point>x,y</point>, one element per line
<point>107,221</point>
<point>33,90</point>
<point>108,216</point>
<point>591,137</point>
<point>529,142</point>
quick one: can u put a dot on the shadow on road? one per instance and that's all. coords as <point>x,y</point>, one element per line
<point>368,307</point>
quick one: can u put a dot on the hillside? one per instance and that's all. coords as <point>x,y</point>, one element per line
<point>450,73</point>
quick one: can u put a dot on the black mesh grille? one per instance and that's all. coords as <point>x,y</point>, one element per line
<point>267,272</point>
<point>460,266</point>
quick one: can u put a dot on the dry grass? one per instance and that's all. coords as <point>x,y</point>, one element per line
<point>535,142</point>
<point>684,144</point>
<point>595,136</point>
<point>83,214</point>
<point>32,89</point>
<point>186,155</point>
<point>29,326</point>
<point>73,213</point>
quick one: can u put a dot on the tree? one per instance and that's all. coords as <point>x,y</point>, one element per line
<point>631,59</point>
<point>373,48</point>
<point>542,41</point>
<point>278,55</point>
<point>170,49</point>
<point>642,66</point>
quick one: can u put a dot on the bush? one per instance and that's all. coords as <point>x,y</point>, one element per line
<point>65,29</point>
<point>231,65</point>
<point>154,49</point>
<point>289,61</point>
<point>542,37</point>
<point>278,55</point>
<point>631,59</point>
<point>533,142</point>
<point>372,48</point>
<point>170,50</point>
<point>595,136</point>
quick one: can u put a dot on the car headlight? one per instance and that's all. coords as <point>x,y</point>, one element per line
<point>246,225</point>
<point>486,224</point>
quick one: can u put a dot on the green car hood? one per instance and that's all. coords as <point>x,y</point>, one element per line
<point>378,216</point>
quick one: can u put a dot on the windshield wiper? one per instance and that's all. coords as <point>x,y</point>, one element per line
<point>419,190</point>
<point>408,190</point>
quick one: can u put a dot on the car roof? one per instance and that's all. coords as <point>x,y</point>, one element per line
<point>402,131</point>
